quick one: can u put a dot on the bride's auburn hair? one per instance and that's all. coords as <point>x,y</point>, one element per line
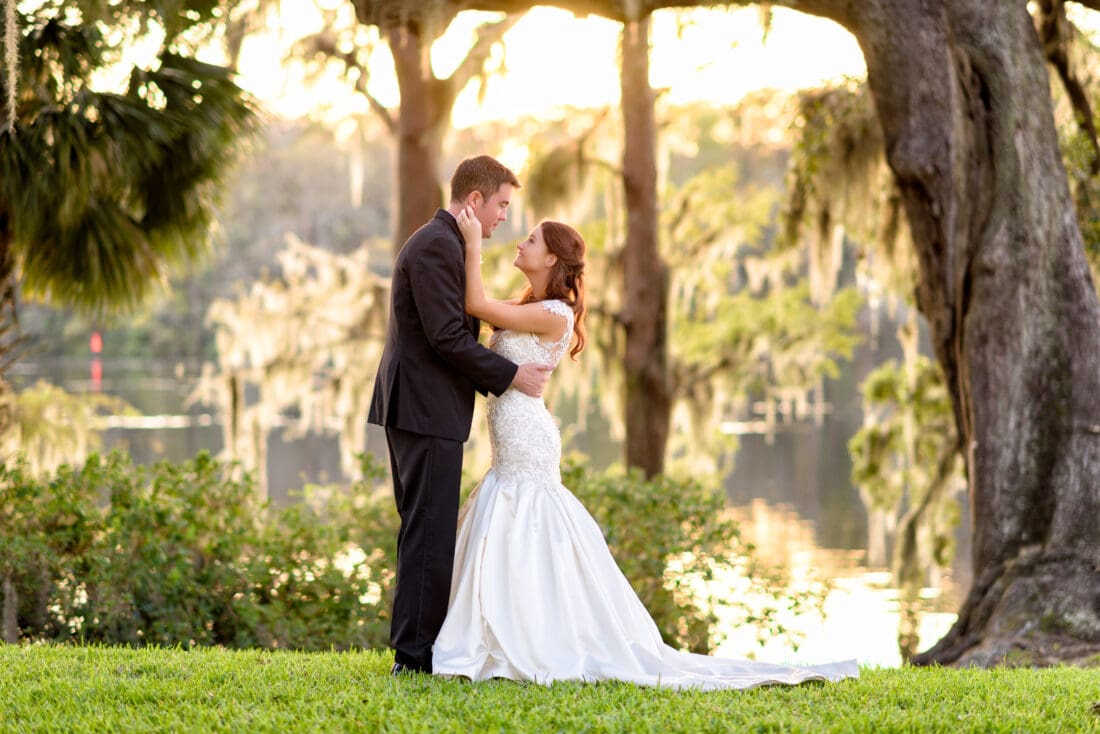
<point>566,282</point>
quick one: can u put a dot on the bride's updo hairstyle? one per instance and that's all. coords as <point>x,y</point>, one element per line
<point>566,281</point>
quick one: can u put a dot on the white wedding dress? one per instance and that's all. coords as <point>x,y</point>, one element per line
<point>536,595</point>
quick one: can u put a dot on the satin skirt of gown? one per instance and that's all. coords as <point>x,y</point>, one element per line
<point>536,594</point>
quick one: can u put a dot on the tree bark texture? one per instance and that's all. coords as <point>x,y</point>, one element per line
<point>9,626</point>
<point>648,399</point>
<point>425,116</point>
<point>962,93</point>
<point>12,339</point>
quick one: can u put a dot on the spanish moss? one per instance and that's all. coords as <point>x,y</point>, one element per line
<point>11,60</point>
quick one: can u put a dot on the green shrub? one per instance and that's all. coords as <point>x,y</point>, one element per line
<point>324,572</point>
<point>670,538</point>
<point>185,554</point>
<point>46,530</point>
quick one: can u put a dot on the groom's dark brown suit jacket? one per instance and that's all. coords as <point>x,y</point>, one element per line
<point>432,362</point>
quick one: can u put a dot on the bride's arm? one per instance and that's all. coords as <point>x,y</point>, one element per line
<point>532,317</point>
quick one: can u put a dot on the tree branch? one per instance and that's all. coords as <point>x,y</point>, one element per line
<point>487,35</point>
<point>406,12</point>
<point>324,43</point>
<point>598,309</point>
<point>625,10</point>
<point>688,376</point>
<point>1055,35</point>
<point>243,20</point>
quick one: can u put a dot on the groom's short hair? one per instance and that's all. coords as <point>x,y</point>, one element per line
<point>481,173</point>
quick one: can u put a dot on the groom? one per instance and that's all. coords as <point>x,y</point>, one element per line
<point>424,396</point>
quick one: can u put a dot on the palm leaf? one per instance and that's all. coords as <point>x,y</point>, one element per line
<point>103,192</point>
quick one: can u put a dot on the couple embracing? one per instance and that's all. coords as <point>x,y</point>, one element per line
<point>520,583</point>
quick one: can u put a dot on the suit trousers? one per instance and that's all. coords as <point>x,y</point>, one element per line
<point>427,476</point>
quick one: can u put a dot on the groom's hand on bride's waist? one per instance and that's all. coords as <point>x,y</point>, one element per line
<point>531,378</point>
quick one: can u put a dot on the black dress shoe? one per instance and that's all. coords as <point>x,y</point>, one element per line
<point>401,669</point>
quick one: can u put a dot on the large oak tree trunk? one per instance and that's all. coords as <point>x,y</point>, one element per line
<point>423,120</point>
<point>648,400</point>
<point>961,90</point>
<point>424,117</point>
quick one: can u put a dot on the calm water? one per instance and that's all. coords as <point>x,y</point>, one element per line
<point>791,491</point>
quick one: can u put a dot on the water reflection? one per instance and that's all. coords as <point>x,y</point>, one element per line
<point>861,610</point>
<point>792,494</point>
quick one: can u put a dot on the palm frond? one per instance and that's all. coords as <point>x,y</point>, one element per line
<point>103,192</point>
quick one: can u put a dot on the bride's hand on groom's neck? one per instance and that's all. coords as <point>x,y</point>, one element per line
<point>470,227</point>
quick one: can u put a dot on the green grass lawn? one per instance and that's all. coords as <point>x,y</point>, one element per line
<point>75,689</point>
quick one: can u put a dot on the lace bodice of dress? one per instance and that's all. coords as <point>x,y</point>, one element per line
<point>523,347</point>
<point>524,436</point>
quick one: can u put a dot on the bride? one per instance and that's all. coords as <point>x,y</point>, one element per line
<point>535,594</point>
